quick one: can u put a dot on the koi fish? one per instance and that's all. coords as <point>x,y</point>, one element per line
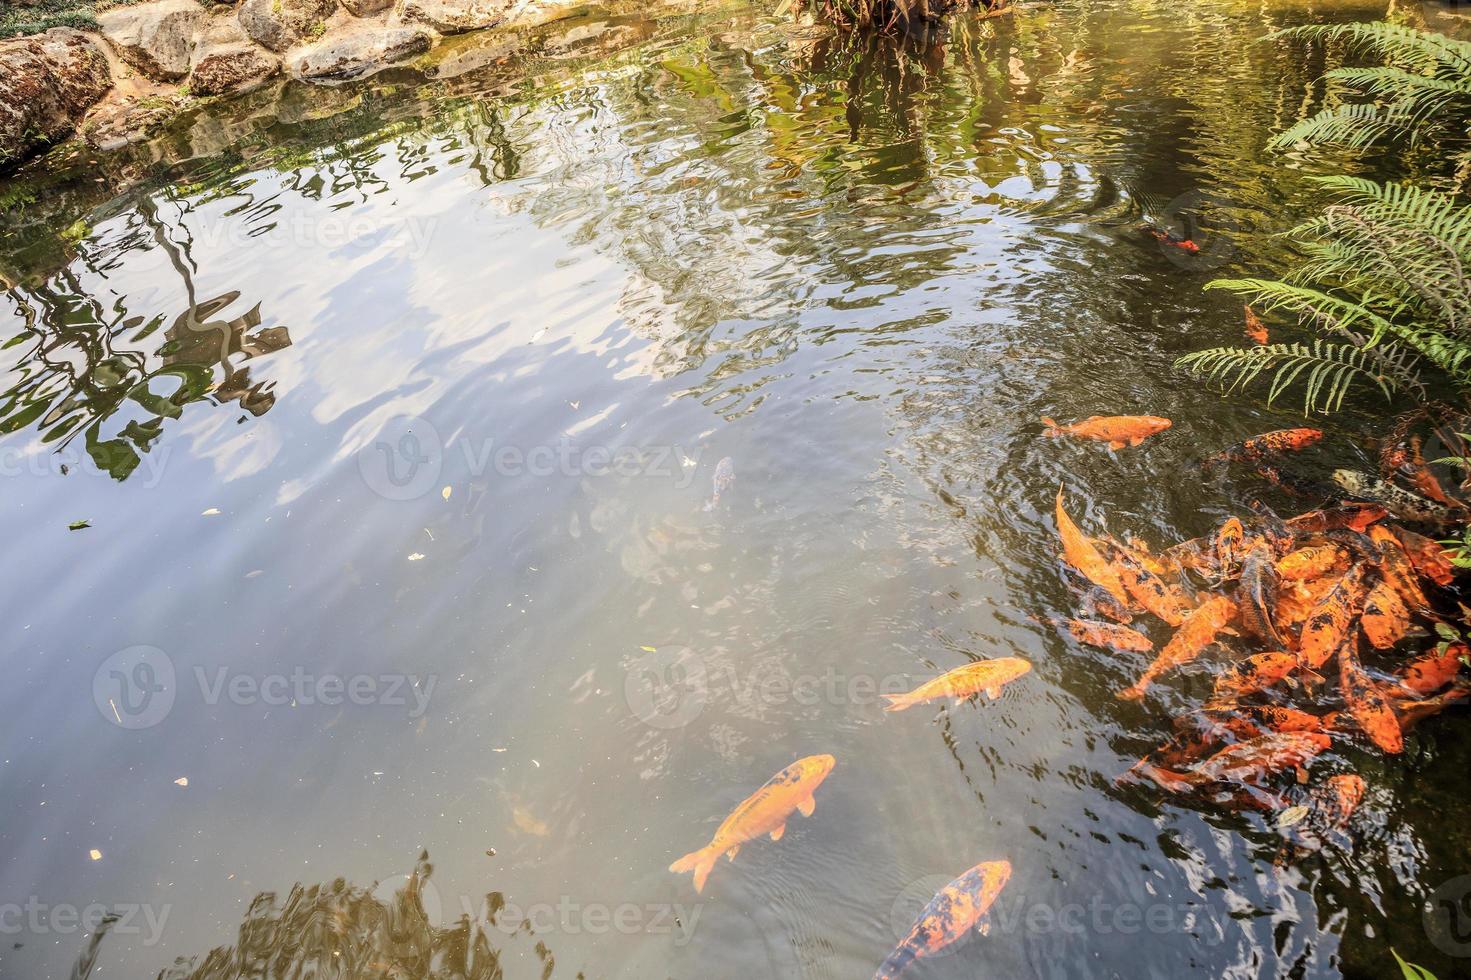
<point>1426,555</point>
<point>1311,562</point>
<point>1336,800</point>
<point>1412,711</point>
<point>1116,430</point>
<point>1256,330</point>
<point>1148,589</point>
<point>1429,674</point>
<point>1246,762</point>
<point>1328,623</point>
<point>1385,619</point>
<point>722,481</point>
<point>1108,635</point>
<point>1197,632</point>
<point>763,812</point>
<point>1097,599</point>
<point>949,916</point>
<point>1257,596</point>
<point>1402,503</point>
<point>1395,565</point>
<point>1281,718</point>
<point>1080,552</point>
<point>1256,673</point>
<point>1352,515</point>
<point>1228,544</point>
<point>986,676</point>
<point>1425,482</point>
<point>1367,705</point>
<point>1171,239</point>
<point>1267,446</point>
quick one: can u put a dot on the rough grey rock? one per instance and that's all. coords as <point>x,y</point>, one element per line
<point>454,16</point>
<point>355,52</point>
<point>155,38</point>
<point>278,24</point>
<point>47,84</point>
<point>232,68</point>
<point>366,8</point>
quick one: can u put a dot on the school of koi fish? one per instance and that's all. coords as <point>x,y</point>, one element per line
<point>1327,627</point>
<point>1330,626</point>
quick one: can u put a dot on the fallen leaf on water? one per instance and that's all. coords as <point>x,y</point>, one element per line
<point>648,649</point>
<point>575,405</point>
<point>253,574</point>
<point>1292,815</point>
<point>78,525</point>
<point>182,781</point>
<point>96,854</point>
<point>416,557</point>
<point>538,335</point>
<point>211,512</point>
<point>446,492</point>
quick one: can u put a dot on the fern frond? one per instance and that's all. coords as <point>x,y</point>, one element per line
<point>1355,125</point>
<point>1393,42</point>
<point>1326,370</point>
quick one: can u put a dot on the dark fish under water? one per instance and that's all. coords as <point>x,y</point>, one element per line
<point>1399,502</point>
<point>724,478</point>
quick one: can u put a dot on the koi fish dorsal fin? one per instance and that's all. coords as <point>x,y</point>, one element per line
<point>730,854</point>
<point>993,692</point>
<point>806,807</point>
<point>776,834</point>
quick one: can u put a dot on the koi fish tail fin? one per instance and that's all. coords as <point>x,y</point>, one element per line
<point>1053,429</point>
<point>896,964</point>
<point>1168,780</point>
<point>700,862</point>
<point>897,702</point>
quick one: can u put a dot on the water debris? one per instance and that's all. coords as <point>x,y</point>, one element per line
<point>764,812</point>
<point>182,781</point>
<point>211,512</point>
<point>445,493</point>
<point>78,525</point>
<point>95,854</point>
<point>722,481</point>
<point>416,556</point>
<point>1116,430</point>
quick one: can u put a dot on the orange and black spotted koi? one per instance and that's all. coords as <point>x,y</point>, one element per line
<point>1246,762</point>
<point>1427,556</point>
<point>1368,705</point>
<point>955,910</point>
<point>1268,445</point>
<point>1412,711</point>
<point>1256,673</point>
<point>1385,619</point>
<point>1429,674</point>
<point>1350,515</point>
<point>1328,624</point>
<point>1397,569</point>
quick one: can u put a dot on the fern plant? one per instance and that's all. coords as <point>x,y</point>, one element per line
<point>1383,282</point>
<point>1422,90</point>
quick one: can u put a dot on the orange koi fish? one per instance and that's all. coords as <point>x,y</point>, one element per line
<point>1426,555</point>
<point>1367,704</point>
<point>1148,589</point>
<point>1281,719</point>
<point>1412,711</point>
<point>1397,569</point>
<point>1329,622</point>
<point>1267,445</point>
<point>1256,330</point>
<point>1336,800</point>
<point>1080,552</point>
<point>1108,635</point>
<point>1229,545</point>
<point>1429,674</point>
<point>1116,430</point>
<point>1425,482</point>
<point>763,812</point>
<point>1255,673</point>
<point>1194,635</point>
<point>1312,562</point>
<point>1350,515</point>
<point>1385,620</point>
<point>984,675</point>
<point>1246,762</point>
<point>949,916</point>
<point>1171,239</point>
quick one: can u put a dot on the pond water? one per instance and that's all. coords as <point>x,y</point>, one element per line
<point>395,410</point>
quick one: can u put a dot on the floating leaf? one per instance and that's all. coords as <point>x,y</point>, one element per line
<point>211,512</point>
<point>182,781</point>
<point>1292,815</point>
<point>95,854</point>
<point>1447,631</point>
<point>78,525</point>
<point>416,557</point>
<point>446,492</point>
<point>648,649</point>
<point>1410,970</point>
